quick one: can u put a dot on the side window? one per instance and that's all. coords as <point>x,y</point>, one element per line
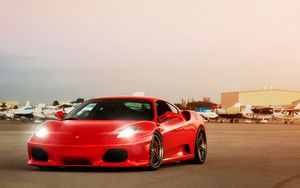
<point>173,108</point>
<point>162,107</point>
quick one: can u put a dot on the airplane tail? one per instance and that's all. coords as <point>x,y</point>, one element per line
<point>235,109</point>
<point>248,108</point>
<point>297,107</point>
<point>237,105</point>
<point>27,104</point>
<point>140,93</point>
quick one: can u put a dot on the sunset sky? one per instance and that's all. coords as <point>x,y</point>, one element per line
<point>58,49</point>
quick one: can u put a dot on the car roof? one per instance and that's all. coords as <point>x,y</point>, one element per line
<point>128,97</point>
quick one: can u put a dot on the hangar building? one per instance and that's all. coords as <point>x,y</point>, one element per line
<point>264,97</point>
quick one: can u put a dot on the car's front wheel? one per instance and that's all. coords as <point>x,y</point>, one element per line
<point>156,151</point>
<point>200,147</point>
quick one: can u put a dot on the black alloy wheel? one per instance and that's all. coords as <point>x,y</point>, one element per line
<point>156,151</point>
<point>200,147</point>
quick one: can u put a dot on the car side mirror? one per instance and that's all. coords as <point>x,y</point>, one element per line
<point>167,116</point>
<point>60,115</point>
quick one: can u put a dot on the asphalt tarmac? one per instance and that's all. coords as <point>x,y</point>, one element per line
<point>239,155</point>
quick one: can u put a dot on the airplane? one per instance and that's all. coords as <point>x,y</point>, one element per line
<point>289,115</point>
<point>232,113</point>
<point>44,112</point>
<point>259,114</point>
<point>9,114</point>
<point>207,114</point>
<point>24,112</point>
<point>139,93</point>
<point>67,107</point>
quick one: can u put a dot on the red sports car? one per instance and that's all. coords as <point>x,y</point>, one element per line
<point>119,132</point>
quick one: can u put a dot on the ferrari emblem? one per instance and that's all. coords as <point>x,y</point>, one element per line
<point>77,137</point>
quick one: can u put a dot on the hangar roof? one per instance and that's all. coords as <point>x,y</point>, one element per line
<point>262,90</point>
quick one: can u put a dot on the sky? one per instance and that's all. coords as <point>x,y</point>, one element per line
<point>172,49</point>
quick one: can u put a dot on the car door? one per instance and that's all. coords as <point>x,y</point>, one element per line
<point>172,129</point>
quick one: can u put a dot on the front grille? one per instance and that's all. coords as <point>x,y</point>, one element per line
<point>39,154</point>
<point>115,155</point>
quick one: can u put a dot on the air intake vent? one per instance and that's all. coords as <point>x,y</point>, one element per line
<point>115,156</point>
<point>39,154</point>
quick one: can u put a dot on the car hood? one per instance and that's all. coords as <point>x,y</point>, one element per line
<point>92,132</point>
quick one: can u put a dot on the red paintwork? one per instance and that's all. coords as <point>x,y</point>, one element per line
<point>98,136</point>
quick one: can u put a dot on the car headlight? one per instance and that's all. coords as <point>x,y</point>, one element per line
<point>128,132</point>
<point>41,132</point>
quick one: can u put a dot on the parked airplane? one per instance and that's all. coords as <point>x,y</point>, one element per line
<point>24,112</point>
<point>207,113</point>
<point>43,111</point>
<point>258,114</point>
<point>232,113</point>
<point>9,114</point>
<point>67,107</point>
<point>46,112</point>
<point>289,115</point>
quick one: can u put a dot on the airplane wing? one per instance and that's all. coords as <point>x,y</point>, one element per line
<point>263,110</point>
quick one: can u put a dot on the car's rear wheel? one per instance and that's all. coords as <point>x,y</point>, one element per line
<point>156,151</point>
<point>200,147</point>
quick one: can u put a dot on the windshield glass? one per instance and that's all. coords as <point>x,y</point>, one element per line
<point>113,109</point>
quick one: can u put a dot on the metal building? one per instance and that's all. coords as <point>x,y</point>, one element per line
<point>264,97</point>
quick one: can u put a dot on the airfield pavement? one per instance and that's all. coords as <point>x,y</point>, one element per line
<point>239,155</point>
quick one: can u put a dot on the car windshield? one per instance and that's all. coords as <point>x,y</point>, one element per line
<point>113,109</point>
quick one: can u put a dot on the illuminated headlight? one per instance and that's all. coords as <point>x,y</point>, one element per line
<point>41,132</point>
<point>128,132</point>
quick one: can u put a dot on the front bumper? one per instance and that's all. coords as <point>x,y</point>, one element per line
<point>90,155</point>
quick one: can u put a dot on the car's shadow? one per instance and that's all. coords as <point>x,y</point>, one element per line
<point>108,169</point>
<point>20,164</point>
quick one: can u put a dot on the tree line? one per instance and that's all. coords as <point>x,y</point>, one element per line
<point>193,105</point>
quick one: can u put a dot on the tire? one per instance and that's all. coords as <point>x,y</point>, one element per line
<point>156,151</point>
<point>200,147</point>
